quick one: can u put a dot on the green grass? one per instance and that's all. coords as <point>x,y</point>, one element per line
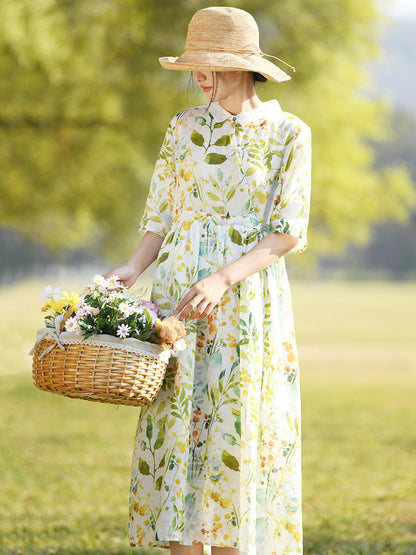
<point>65,464</point>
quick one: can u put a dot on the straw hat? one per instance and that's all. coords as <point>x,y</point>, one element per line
<point>224,39</point>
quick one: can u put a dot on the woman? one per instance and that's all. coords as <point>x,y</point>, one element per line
<point>217,456</point>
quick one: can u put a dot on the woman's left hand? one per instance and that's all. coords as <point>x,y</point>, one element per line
<point>202,297</point>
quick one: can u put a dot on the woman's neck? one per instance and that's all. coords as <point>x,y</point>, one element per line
<point>242,100</point>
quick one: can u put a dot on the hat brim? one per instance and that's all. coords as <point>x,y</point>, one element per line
<point>204,60</point>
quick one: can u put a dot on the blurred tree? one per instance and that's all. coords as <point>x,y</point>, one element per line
<point>84,105</point>
<point>391,251</point>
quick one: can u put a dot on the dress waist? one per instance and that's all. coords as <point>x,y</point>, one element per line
<point>207,219</point>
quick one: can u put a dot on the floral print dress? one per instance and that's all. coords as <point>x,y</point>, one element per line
<point>217,455</point>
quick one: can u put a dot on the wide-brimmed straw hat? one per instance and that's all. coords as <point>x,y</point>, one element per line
<point>224,39</point>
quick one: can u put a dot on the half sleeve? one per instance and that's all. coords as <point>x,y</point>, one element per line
<point>158,212</point>
<point>292,198</point>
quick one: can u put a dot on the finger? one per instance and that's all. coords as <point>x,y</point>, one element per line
<point>207,311</point>
<point>185,301</point>
<point>197,314</point>
<point>204,313</point>
<point>190,306</point>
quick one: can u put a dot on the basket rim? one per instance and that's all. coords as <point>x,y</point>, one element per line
<point>129,344</point>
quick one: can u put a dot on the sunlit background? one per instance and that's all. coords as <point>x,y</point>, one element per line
<point>84,105</point>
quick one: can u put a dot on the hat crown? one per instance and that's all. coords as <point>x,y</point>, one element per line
<point>223,28</point>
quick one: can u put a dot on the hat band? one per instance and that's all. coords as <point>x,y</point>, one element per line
<point>242,52</point>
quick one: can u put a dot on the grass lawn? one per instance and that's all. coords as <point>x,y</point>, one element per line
<point>65,464</point>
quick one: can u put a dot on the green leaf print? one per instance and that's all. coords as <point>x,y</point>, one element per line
<point>251,237</point>
<point>220,209</point>
<point>165,306</point>
<point>158,483</point>
<point>230,461</point>
<point>223,141</point>
<point>237,425</point>
<point>215,158</point>
<point>219,124</point>
<point>235,236</point>
<point>149,429</point>
<point>250,171</point>
<point>197,138</point>
<point>229,438</point>
<point>163,206</point>
<point>289,159</point>
<point>160,438</point>
<point>289,139</point>
<point>169,239</point>
<point>212,196</point>
<point>201,120</point>
<point>144,467</point>
<point>163,257</point>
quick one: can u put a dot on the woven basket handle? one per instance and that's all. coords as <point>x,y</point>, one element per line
<point>70,312</point>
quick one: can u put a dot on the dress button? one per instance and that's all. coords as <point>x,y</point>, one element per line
<point>234,118</point>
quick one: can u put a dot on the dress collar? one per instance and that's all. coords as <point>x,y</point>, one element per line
<point>265,109</point>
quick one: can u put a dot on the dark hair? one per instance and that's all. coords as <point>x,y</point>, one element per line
<point>259,77</point>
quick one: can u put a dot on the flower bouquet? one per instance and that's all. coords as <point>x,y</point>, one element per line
<point>108,345</point>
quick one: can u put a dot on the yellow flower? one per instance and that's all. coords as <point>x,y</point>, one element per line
<point>55,306</point>
<point>70,299</point>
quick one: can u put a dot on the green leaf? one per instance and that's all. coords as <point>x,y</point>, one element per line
<point>250,171</point>
<point>235,236</point>
<point>251,237</point>
<point>230,461</point>
<point>197,138</point>
<point>163,257</point>
<point>215,158</point>
<point>160,438</point>
<point>158,483</point>
<point>165,306</point>
<point>219,124</point>
<point>220,209</point>
<point>229,438</point>
<point>289,159</point>
<point>144,467</point>
<point>237,425</point>
<point>223,141</point>
<point>289,139</point>
<point>214,395</point>
<point>212,196</point>
<point>161,407</point>
<point>149,429</point>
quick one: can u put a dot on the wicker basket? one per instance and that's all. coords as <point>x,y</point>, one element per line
<point>102,368</point>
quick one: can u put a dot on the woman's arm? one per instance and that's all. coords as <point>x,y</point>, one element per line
<point>143,256</point>
<point>206,293</point>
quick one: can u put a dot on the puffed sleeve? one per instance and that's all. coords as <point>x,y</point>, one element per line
<point>158,213</point>
<point>292,198</point>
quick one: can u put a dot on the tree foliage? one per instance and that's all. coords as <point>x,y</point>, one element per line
<point>84,105</point>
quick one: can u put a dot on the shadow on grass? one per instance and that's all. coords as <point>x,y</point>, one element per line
<point>324,546</point>
<point>86,551</point>
<point>327,545</point>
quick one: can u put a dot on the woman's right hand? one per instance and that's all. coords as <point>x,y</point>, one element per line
<point>126,274</point>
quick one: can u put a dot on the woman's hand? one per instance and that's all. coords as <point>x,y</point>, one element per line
<point>202,297</point>
<point>126,274</point>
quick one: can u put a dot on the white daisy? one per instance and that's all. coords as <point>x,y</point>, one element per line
<point>100,281</point>
<point>113,282</point>
<point>126,308</point>
<point>49,293</point>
